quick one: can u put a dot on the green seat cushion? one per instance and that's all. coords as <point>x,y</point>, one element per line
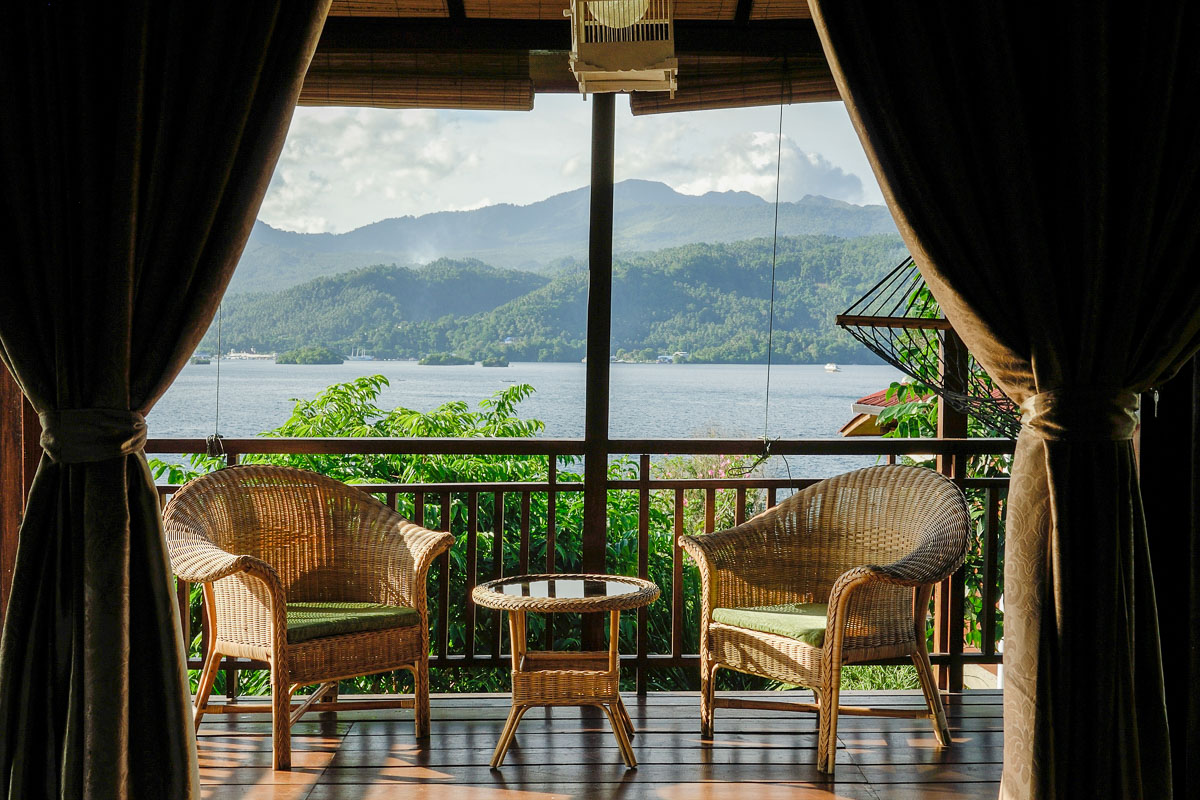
<point>308,621</point>
<point>802,621</point>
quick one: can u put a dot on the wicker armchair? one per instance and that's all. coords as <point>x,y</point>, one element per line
<point>867,547</point>
<point>317,578</point>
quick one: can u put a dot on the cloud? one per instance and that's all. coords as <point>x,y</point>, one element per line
<point>341,168</point>
<point>741,162</point>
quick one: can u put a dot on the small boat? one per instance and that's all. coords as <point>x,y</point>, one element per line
<point>832,367</point>
<point>359,354</point>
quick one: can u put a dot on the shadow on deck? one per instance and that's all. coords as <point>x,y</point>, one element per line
<point>571,753</point>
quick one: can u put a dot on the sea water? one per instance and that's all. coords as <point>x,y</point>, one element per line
<point>645,400</point>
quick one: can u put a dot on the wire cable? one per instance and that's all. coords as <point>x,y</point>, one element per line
<point>767,441</point>
<point>213,444</point>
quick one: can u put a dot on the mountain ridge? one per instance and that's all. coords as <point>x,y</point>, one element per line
<point>648,215</point>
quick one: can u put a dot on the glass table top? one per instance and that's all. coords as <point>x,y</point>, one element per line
<point>573,588</point>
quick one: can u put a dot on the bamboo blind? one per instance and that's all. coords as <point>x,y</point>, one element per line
<point>707,82</point>
<point>552,9</point>
<point>515,9</point>
<point>707,9</point>
<point>780,9</point>
<point>388,8</point>
<point>483,81</point>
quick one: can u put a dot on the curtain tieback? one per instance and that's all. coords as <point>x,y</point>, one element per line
<point>82,435</point>
<point>1081,415</point>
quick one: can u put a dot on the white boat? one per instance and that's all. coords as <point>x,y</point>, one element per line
<point>359,354</point>
<point>235,355</point>
<point>832,367</point>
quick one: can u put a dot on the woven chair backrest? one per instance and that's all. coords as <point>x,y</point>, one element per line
<point>309,527</point>
<point>872,516</point>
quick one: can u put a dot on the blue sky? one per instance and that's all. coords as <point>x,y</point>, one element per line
<point>342,168</point>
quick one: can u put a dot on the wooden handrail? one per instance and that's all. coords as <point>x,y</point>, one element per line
<point>859,445</point>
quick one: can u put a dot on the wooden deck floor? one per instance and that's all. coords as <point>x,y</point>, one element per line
<point>570,753</point>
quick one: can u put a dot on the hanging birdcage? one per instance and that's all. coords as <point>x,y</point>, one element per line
<point>900,321</point>
<point>623,45</point>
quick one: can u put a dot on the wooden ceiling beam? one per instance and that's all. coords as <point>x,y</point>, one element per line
<point>692,37</point>
<point>742,15</point>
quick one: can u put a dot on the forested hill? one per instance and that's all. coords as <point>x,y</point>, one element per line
<point>710,300</point>
<point>647,216</point>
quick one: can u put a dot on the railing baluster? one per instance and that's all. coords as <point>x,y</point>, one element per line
<point>551,522</point>
<point>941,629</point>
<point>740,513</point>
<point>472,570</point>
<point>551,513</point>
<point>183,597</point>
<point>710,510</point>
<point>444,589</point>
<point>771,497</point>
<point>958,593</point>
<point>524,553</point>
<point>643,638</point>
<point>991,543</point>
<point>497,565</point>
<point>231,679</point>
<point>677,620</point>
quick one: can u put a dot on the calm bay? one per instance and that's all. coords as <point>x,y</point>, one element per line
<point>646,400</point>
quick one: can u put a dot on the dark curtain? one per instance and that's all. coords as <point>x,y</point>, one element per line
<point>1169,443</point>
<point>1042,168</point>
<point>136,142</point>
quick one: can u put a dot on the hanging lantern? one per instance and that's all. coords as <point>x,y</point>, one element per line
<point>623,45</point>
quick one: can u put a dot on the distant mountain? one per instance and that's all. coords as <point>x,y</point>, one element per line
<point>710,300</point>
<point>647,216</point>
<point>337,309</point>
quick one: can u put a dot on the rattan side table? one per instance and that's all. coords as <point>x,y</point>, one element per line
<point>555,678</point>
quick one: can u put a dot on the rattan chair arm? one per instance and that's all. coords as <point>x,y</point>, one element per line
<point>694,547</point>
<point>201,561</point>
<point>727,548</point>
<point>919,568</point>
<point>251,609</point>
<point>729,559</point>
<point>414,549</point>
<point>931,562</point>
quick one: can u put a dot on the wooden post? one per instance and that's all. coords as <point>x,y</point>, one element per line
<point>20,451</point>
<point>599,334</point>
<point>947,598</point>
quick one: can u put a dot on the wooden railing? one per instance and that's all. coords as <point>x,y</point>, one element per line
<point>509,507</point>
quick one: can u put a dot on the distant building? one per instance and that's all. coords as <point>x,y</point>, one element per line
<point>665,360</point>
<point>866,414</point>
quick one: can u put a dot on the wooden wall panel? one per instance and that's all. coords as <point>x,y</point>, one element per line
<point>13,481</point>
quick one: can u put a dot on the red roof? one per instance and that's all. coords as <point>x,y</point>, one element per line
<point>876,402</point>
